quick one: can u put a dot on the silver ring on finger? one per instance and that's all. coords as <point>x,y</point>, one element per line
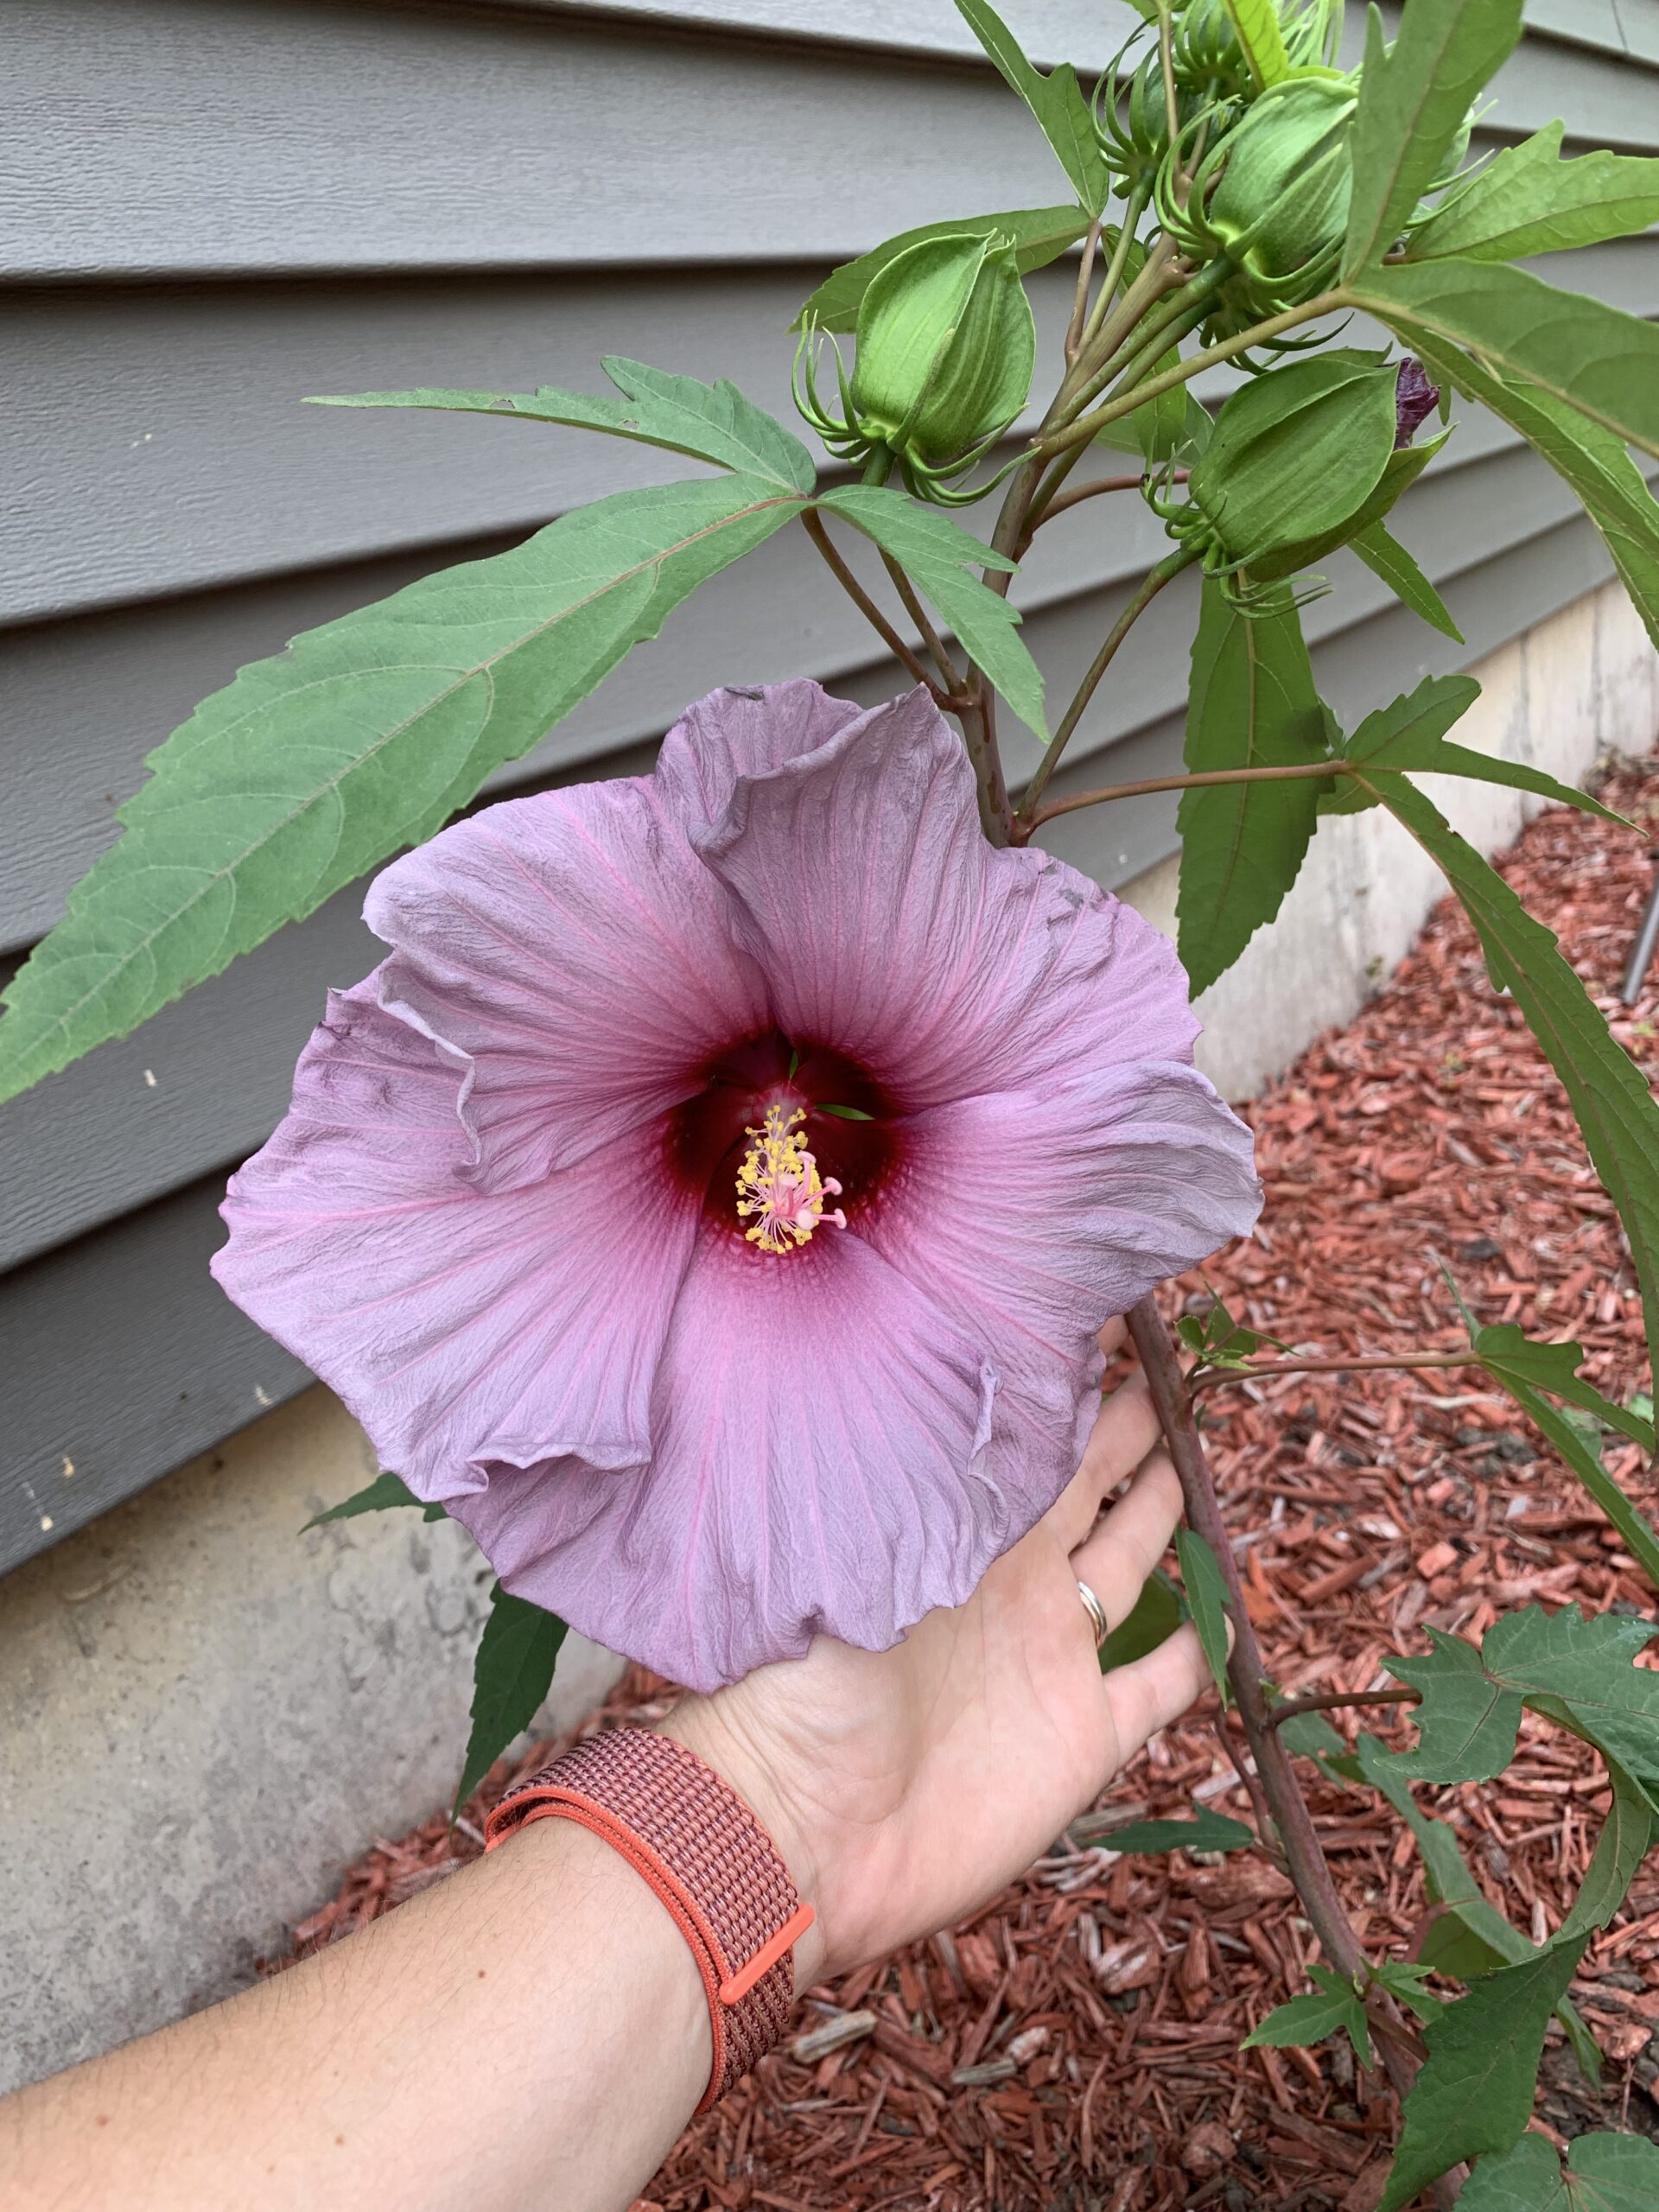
<point>1096,1613</point>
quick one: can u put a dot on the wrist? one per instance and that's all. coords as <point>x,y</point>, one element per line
<point>707,1726</point>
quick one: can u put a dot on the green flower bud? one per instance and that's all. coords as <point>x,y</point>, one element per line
<point>1280,211</point>
<point>1204,52</point>
<point>1297,457</point>
<point>946,347</point>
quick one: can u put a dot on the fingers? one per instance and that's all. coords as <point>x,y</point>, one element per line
<point>1125,1430</point>
<point>1121,1552</point>
<point>1110,1338</point>
<point>1150,1693</point>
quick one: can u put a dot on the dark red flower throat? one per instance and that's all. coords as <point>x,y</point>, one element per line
<point>709,1134</point>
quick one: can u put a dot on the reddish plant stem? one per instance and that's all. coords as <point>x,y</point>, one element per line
<point>1080,305</point>
<point>1246,1669</point>
<point>1252,1783</point>
<point>1365,1364</point>
<point>867,607</point>
<point>1292,774</point>
<point>1304,1858</point>
<point>950,674</point>
<point>1334,1700</point>
<point>1062,500</point>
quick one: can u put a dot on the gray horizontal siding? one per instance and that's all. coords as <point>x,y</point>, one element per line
<point>208,210</point>
<point>1086,32</point>
<point>177,138</point>
<point>122,1359</point>
<point>168,394</point>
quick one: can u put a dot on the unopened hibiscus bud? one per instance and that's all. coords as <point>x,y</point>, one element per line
<point>1204,51</point>
<point>1279,209</point>
<point>1296,457</point>
<point>946,347</point>
<point>1414,400</point>
<point>1134,130</point>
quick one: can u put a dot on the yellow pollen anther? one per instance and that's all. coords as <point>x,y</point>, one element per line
<point>779,1185</point>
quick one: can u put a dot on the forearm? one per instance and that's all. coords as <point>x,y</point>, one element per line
<point>355,2080</point>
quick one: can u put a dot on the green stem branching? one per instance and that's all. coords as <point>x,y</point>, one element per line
<point>1147,785</point>
<point>1369,1363</point>
<point>1125,401</point>
<point>1151,585</point>
<point>813,522</point>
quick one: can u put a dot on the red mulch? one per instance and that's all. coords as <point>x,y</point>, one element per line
<point>1074,2045</point>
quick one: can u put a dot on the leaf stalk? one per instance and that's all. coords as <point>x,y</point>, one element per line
<point>1151,585</point>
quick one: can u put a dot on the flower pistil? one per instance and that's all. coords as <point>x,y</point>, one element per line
<point>778,1184</point>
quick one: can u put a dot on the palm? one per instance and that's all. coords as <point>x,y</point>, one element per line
<point>915,1783</point>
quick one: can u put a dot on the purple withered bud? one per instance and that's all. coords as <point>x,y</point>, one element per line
<point>1414,400</point>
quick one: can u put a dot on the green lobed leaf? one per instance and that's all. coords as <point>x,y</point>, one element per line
<point>1605,2172</point>
<point>1467,1719</point>
<point>1252,704</point>
<point>1038,236</point>
<point>1475,2091</point>
<point>1620,1848</point>
<point>1413,99</point>
<point>1582,1668</point>
<point>1205,1831</point>
<point>1609,1095</point>
<point>1471,1936</point>
<point>1528,200</point>
<point>1410,734</point>
<point>1155,1616</point>
<point>1207,1596</point>
<point>1056,101</point>
<point>1385,556</point>
<point>1594,358</point>
<point>1404,1979</point>
<point>364,736</point>
<point>1524,1369</point>
<point>709,422</point>
<point>511,1677</point>
<point>1333,2008</point>
<point>1220,1340</point>
<point>940,560</point>
<point>1256,22</point>
<point>1505,1350</point>
<point>1415,722</point>
<point>387,1490</point>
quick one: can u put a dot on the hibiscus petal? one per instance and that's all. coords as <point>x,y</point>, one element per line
<point>575,959</point>
<point>819,1433</point>
<point>457,1325</point>
<point>888,928</point>
<point>742,731</point>
<point>1029,1219</point>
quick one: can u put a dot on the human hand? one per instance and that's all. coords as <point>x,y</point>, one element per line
<point>903,1788</point>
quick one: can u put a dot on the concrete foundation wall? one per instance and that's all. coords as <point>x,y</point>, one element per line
<point>204,1712</point>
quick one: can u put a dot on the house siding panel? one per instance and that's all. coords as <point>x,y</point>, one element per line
<point>208,210</point>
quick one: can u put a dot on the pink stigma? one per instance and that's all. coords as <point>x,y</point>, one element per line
<point>779,1189</point>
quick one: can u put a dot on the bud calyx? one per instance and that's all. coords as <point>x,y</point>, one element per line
<point>945,350</point>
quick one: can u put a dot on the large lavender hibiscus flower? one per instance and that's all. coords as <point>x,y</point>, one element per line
<point>713,1197</point>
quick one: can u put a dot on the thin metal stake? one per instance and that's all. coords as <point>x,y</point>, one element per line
<point>1642,951</point>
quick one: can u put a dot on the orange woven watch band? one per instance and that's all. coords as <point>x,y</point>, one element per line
<point>693,1840</point>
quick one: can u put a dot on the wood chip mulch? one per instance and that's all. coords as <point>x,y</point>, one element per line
<point>1073,2046</point>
